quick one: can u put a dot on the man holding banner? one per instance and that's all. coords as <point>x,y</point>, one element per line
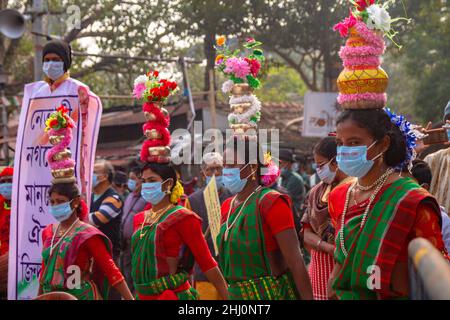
<point>30,203</point>
<point>212,165</point>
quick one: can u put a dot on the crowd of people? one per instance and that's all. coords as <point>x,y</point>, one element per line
<point>259,239</point>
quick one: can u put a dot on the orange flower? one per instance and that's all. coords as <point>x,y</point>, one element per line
<point>221,41</point>
<point>219,58</point>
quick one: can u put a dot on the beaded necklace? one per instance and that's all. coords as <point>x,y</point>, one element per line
<point>381,181</point>
<point>229,226</point>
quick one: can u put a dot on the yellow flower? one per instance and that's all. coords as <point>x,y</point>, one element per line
<point>221,41</point>
<point>177,192</point>
<point>219,57</point>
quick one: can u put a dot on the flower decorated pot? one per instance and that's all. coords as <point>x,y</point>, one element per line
<point>363,83</point>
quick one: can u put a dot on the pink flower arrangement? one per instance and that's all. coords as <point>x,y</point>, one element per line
<point>237,66</point>
<point>272,174</point>
<point>138,90</point>
<point>344,26</point>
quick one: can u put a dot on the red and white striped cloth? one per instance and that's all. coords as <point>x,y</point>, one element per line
<point>320,269</point>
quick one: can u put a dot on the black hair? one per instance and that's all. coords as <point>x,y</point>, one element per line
<point>326,147</point>
<point>237,142</point>
<point>120,178</point>
<point>69,190</point>
<point>379,125</point>
<point>136,170</point>
<point>165,171</point>
<point>421,172</point>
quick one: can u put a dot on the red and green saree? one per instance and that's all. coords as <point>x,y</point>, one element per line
<point>376,248</point>
<point>150,269</point>
<point>58,269</point>
<point>243,257</point>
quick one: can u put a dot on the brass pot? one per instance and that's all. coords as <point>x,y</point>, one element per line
<point>240,108</point>
<point>241,89</point>
<point>65,154</point>
<point>242,128</point>
<point>63,173</point>
<point>159,151</point>
<point>54,140</point>
<point>153,134</point>
<point>149,116</point>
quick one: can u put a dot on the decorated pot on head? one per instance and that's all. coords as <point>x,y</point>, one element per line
<point>363,83</point>
<point>59,127</point>
<point>154,92</point>
<point>242,69</point>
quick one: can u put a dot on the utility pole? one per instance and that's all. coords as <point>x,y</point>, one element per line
<point>38,28</point>
<point>3,80</point>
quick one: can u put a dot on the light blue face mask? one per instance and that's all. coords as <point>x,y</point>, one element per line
<point>61,212</point>
<point>6,190</point>
<point>131,184</point>
<point>232,179</point>
<point>152,192</point>
<point>53,69</point>
<point>353,160</point>
<point>219,181</point>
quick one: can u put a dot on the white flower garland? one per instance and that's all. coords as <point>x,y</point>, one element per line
<point>252,111</point>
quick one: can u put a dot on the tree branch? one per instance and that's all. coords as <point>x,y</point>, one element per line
<point>72,34</point>
<point>297,68</point>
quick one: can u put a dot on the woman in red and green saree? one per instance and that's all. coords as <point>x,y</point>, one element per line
<point>77,256</point>
<point>377,216</point>
<point>259,250</point>
<point>166,241</point>
<point>318,231</point>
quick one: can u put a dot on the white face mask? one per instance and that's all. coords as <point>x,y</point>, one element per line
<point>53,69</point>
<point>325,174</point>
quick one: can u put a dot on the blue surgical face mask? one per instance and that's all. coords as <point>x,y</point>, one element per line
<point>325,174</point>
<point>152,192</point>
<point>53,69</point>
<point>219,181</point>
<point>232,180</point>
<point>131,184</point>
<point>6,190</point>
<point>353,160</point>
<point>61,212</point>
<point>314,166</point>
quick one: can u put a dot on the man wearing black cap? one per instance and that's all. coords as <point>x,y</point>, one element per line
<point>57,59</point>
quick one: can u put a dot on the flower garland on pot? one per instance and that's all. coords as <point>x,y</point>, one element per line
<point>154,92</point>
<point>59,127</point>
<point>363,83</point>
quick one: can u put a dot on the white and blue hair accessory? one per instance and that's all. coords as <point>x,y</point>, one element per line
<point>410,138</point>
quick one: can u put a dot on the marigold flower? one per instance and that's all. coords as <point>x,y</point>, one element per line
<point>221,41</point>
